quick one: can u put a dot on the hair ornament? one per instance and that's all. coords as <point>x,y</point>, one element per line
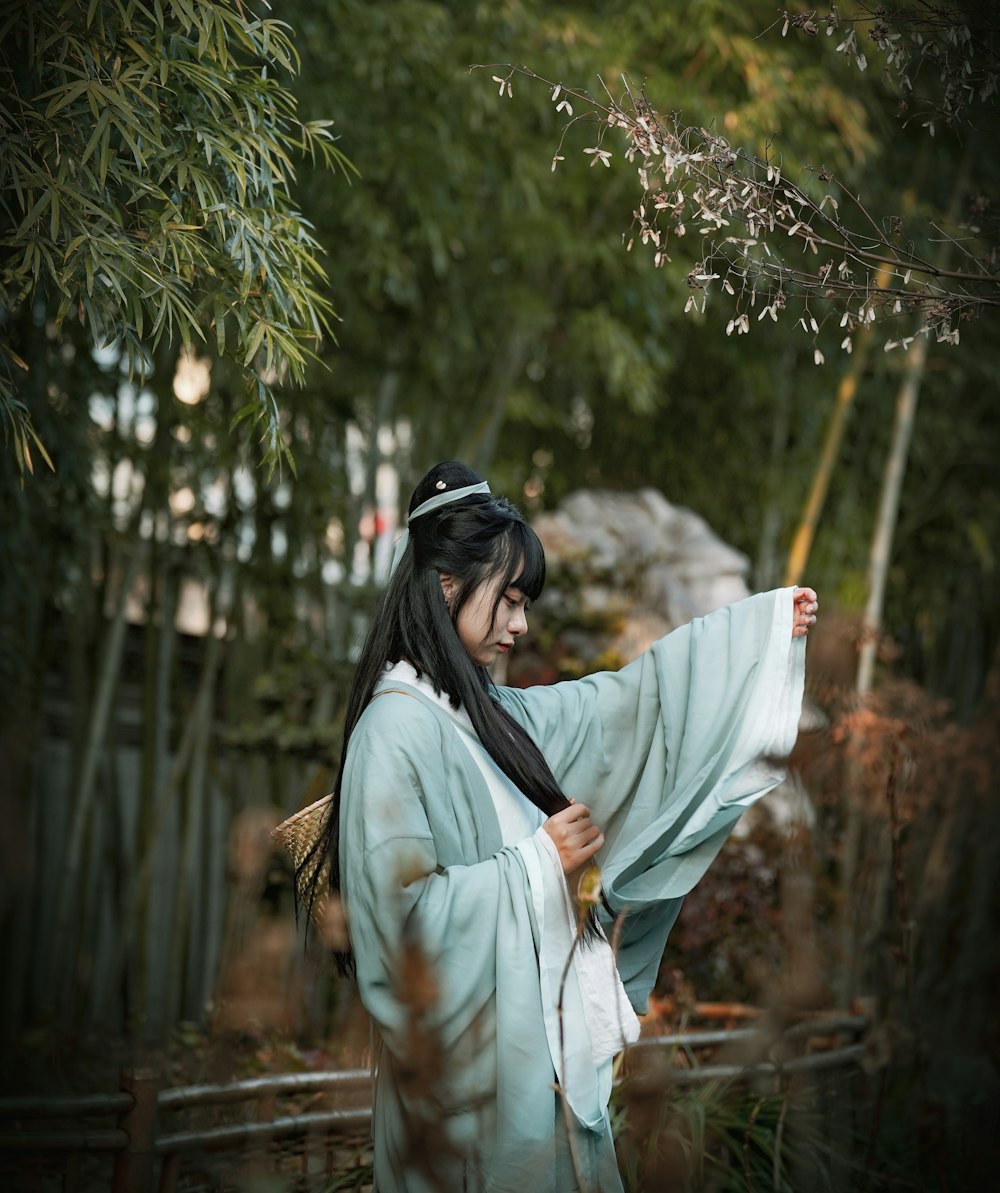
<point>426,507</point>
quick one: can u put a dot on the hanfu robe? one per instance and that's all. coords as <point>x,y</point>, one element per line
<point>666,753</point>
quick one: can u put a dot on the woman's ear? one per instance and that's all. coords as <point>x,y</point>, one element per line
<point>448,586</point>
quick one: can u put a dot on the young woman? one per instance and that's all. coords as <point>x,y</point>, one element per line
<point>465,813</point>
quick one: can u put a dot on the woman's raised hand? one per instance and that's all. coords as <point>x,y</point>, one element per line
<point>575,836</point>
<point>805,604</point>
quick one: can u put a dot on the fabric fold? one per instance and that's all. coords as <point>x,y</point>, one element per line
<point>668,752</point>
<point>596,1020</point>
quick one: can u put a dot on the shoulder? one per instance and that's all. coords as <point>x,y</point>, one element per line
<point>396,751</point>
<point>399,722</point>
<point>396,703</point>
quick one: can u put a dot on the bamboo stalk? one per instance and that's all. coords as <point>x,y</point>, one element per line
<point>158,742</point>
<point>888,511</point>
<point>805,533</point>
<point>136,910</point>
<point>190,893</point>
<point>207,856</point>
<point>200,719</point>
<point>217,824</point>
<point>86,788</point>
<point>102,890</point>
<point>880,555</point>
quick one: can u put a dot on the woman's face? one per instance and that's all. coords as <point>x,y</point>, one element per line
<point>483,635</point>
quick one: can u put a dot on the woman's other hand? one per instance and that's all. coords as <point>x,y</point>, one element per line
<point>805,604</point>
<point>575,836</point>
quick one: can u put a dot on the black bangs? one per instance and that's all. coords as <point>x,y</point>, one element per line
<point>522,561</point>
<point>531,579</point>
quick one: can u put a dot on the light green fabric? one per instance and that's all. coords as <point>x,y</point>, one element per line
<point>667,753</point>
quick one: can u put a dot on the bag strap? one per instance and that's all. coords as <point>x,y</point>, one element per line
<point>374,1035</point>
<point>393,691</point>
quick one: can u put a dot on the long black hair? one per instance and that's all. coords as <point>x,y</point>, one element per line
<point>476,539</point>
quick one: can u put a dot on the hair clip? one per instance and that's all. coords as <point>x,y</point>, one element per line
<point>441,485</point>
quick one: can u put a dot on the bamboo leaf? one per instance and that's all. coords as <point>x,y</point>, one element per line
<point>35,213</point>
<point>20,450</point>
<point>101,130</point>
<point>139,50</point>
<point>254,342</point>
<point>129,140</point>
<point>105,158</point>
<point>221,40</point>
<point>245,413</point>
<point>219,320</point>
<point>67,95</point>
<point>186,12</point>
<point>30,430</point>
<point>162,197</point>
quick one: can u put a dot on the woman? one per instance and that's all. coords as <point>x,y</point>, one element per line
<point>456,838</point>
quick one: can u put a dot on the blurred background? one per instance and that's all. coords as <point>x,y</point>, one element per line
<point>177,622</point>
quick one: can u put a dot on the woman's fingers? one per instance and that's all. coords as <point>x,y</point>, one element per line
<point>573,859</point>
<point>805,604</point>
<point>579,832</point>
<point>573,813</point>
<point>575,835</point>
<point>585,852</point>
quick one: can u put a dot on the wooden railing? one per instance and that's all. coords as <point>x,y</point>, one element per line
<point>143,1154</point>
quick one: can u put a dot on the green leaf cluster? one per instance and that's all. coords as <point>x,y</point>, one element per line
<point>147,156</point>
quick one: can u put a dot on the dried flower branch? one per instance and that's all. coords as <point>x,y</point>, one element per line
<point>943,60</point>
<point>764,239</point>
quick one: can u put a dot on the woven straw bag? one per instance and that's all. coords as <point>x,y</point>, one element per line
<point>300,835</point>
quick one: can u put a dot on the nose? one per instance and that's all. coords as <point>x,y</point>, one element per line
<point>518,623</point>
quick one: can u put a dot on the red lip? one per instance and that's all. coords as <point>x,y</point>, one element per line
<point>505,646</point>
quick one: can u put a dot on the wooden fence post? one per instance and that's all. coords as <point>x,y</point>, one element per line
<point>134,1165</point>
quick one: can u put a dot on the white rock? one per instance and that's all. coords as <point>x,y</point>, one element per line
<point>646,566</point>
<point>635,556</point>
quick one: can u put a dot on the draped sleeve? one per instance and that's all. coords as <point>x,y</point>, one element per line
<point>668,752</point>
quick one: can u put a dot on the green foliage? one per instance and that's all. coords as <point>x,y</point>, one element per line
<point>148,156</point>
<point>490,311</point>
<point>719,1135</point>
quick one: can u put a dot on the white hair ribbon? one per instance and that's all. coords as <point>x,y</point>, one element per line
<point>426,507</point>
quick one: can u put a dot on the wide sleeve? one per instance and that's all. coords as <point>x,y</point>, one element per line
<point>669,751</point>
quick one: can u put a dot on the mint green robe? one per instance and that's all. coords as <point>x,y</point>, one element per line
<point>667,753</point>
